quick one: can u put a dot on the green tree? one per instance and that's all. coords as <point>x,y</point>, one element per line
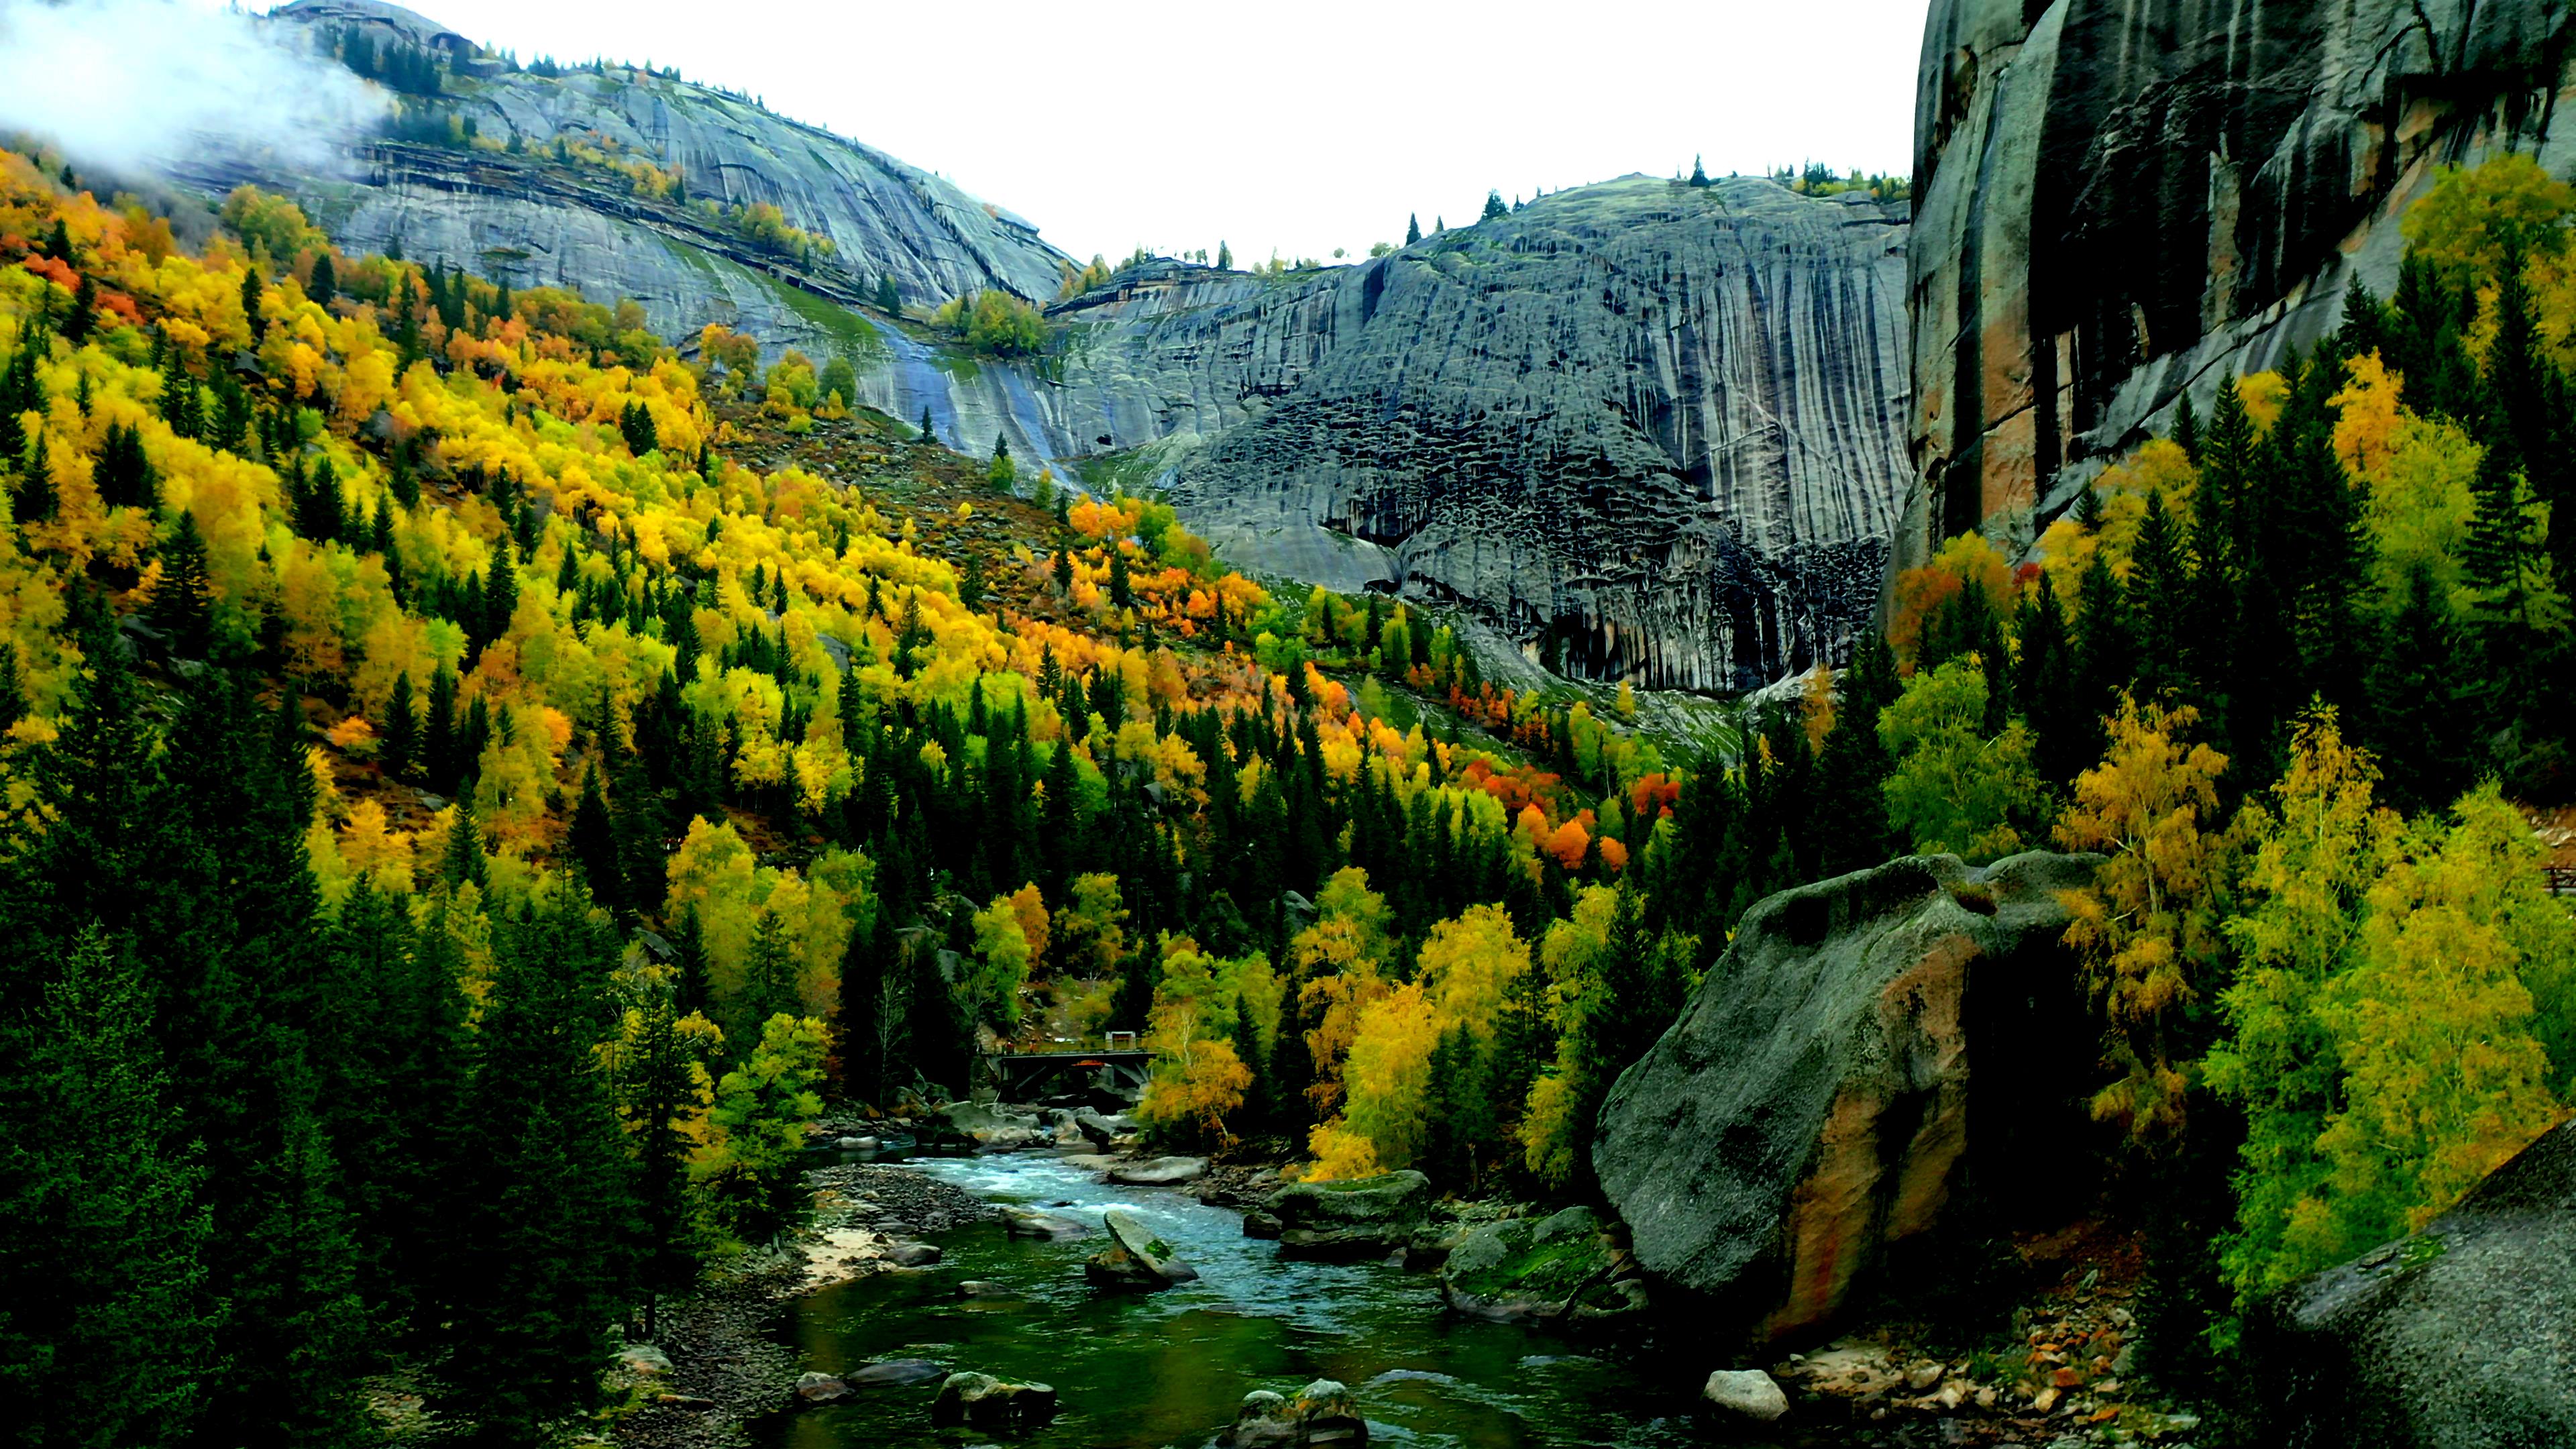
<point>1953,788</point>
<point>757,1172</point>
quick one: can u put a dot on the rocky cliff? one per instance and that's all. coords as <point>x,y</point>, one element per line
<point>1653,431</point>
<point>2121,199</point>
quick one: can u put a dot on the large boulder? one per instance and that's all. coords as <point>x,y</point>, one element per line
<point>1322,1413</point>
<point>1358,1218</point>
<point>1815,1106</point>
<point>984,1402</point>
<point>2462,1336</point>
<point>1135,1260</point>
<point>1159,1172</point>
<point>1745,1394</point>
<point>1028,1222</point>
<point>1562,1267</point>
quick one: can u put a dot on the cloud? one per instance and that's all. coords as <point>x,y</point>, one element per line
<point>153,85</point>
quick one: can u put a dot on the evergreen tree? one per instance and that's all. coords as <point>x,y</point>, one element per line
<point>402,730</point>
<point>324,288</point>
<point>105,1308</point>
<point>889,301</point>
<point>927,435</point>
<point>438,752</point>
<point>1224,257</point>
<point>2186,423</point>
<point>1413,229</point>
<point>2415,702</point>
<point>656,1090</point>
<point>689,969</point>
<point>1122,592</point>
<point>1698,177</point>
<point>1494,207</point>
<point>182,603</point>
<point>593,841</point>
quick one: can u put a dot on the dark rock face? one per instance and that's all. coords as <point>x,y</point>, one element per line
<point>1650,429</point>
<point>1872,1055</point>
<point>2462,1336</point>
<point>2119,201</point>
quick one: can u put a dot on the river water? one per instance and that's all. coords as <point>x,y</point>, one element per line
<point>1170,1368</point>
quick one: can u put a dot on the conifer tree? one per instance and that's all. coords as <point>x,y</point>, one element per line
<point>182,605</point>
<point>593,841</point>
<point>1413,229</point>
<point>1493,206</point>
<point>927,435</point>
<point>324,288</point>
<point>438,752</point>
<point>402,730</point>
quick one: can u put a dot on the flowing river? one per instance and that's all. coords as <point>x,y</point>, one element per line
<point>1170,1368</point>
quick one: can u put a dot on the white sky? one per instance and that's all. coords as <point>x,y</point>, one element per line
<point>1297,127</point>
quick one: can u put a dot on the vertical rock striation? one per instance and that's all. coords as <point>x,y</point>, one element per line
<point>2120,201</point>
<point>1654,431</point>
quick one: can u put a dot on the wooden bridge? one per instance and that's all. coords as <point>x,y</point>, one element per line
<point>1116,1064</point>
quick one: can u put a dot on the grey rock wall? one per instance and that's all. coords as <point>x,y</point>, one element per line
<point>2120,201</point>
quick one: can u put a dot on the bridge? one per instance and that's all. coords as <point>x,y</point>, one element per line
<point>1116,1064</point>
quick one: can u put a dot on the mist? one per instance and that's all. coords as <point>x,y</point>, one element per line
<point>139,86</point>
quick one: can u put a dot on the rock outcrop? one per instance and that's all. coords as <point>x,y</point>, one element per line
<point>1872,1055</point>
<point>1321,1413</point>
<point>1355,1218</point>
<point>981,1401</point>
<point>1135,1260</point>
<point>2457,1337</point>
<point>1562,1268</point>
<point>2119,201</point>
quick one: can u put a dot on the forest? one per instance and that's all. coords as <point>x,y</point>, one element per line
<point>481,777</point>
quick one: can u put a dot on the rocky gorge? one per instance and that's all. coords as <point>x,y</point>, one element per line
<point>1647,431</point>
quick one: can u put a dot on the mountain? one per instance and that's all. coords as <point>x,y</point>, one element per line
<point>1647,431</point>
<point>2121,202</point>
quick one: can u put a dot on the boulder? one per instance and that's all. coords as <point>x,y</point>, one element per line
<point>1027,1222</point>
<point>1548,1269</point>
<point>644,1358</point>
<point>1813,1106</point>
<point>820,1389</point>
<point>1135,1259</point>
<point>1362,1217</point>
<point>1160,1172</point>
<point>858,1144</point>
<point>910,1255</point>
<point>1099,1130</point>
<point>1745,1394</point>
<point>892,1373</point>
<point>1321,1413</point>
<point>2458,1336</point>
<point>984,1288</point>
<point>984,1402</point>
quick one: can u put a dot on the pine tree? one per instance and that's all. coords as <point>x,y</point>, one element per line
<point>324,288</point>
<point>182,604</point>
<point>656,1090</point>
<point>2414,697</point>
<point>593,842</point>
<point>402,730</point>
<point>107,1336</point>
<point>1122,592</point>
<point>2186,423</point>
<point>1494,207</point>
<point>438,747</point>
<point>1698,176</point>
<point>927,435</point>
<point>889,301</point>
<point>689,968</point>
<point>463,862</point>
<point>1412,228</point>
<point>1224,257</point>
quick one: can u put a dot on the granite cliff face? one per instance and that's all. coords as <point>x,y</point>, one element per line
<point>1643,430</point>
<point>2119,201</point>
<point>1650,430</point>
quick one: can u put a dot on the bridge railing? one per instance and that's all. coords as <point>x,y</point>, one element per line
<point>1113,1041</point>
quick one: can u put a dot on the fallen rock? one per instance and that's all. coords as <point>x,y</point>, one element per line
<point>985,1402</point>
<point>1160,1172</point>
<point>820,1389</point>
<point>1746,1394</point>
<point>1321,1413</point>
<point>1544,1270</point>
<point>892,1373</point>
<point>1812,1107</point>
<point>1135,1259</point>
<point>2454,1337</point>
<point>1023,1222</point>
<point>1359,1218</point>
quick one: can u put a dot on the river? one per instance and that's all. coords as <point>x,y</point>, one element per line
<point>1170,1368</point>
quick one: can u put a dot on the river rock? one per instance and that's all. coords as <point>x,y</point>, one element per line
<point>1520,1269</point>
<point>858,1144</point>
<point>820,1389</point>
<point>984,1402</point>
<point>1160,1172</point>
<point>2118,201</point>
<point>1098,1130</point>
<point>1135,1259</point>
<point>2457,1337</point>
<point>911,1255</point>
<point>1027,1222</point>
<point>1358,1218</point>
<point>1321,1413</point>
<point>984,1288</point>
<point>1813,1107</point>
<point>891,1373</point>
<point>1745,1394</point>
